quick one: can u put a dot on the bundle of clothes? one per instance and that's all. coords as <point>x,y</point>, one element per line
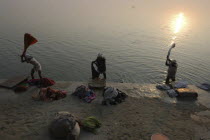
<point>204,86</point>
<point>49,94</point>
<point>91,124</point>
<point>65,125</point>
<point>113,96</point>
<point>84,93</point>
<point>179,90</point>
<point>21,87</point>
<point>179,84</point>
<point>44,82</point>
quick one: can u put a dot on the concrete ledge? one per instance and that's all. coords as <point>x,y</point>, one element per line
<point>146,111</point>
<point>13,82</point>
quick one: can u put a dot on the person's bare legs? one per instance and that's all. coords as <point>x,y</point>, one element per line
<point>40,74</point>
<point>32,73</point>
<point>167,80</point>
<point>173,79</point>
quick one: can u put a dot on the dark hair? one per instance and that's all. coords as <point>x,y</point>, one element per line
<point>101,62</point>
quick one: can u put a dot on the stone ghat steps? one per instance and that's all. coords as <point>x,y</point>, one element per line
<point>131,89</point>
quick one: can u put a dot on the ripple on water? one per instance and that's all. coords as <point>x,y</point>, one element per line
<point>131,57</point>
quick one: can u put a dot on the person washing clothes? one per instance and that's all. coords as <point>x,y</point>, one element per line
<point>172,66</point>
<point>36,65</point>
<point>98,67</point>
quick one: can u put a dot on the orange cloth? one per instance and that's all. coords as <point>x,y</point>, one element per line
<point>49,94</point>
<point>28,40</point>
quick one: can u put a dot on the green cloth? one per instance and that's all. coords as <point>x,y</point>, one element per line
<point>91,124</point>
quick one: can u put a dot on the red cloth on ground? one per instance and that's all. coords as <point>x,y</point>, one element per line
<point>49,94</point>
<point>45,82</point>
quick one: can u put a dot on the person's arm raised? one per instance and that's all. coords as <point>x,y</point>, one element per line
<point>22,58</point>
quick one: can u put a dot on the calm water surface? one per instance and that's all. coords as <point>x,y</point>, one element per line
<point>133,35</point>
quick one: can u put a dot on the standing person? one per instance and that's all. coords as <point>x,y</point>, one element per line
<point>172,67</point>
<point>98,67</point>
<point>37,66</point>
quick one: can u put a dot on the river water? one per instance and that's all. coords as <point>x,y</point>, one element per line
<point>133,35</point>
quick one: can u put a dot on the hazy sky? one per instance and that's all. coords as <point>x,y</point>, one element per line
<point>67,11</point>
<point>101,14</point>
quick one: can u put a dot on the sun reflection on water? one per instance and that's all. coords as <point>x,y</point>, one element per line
<point>178,23</point>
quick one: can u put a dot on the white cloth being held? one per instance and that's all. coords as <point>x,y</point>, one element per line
<point>95,67</point>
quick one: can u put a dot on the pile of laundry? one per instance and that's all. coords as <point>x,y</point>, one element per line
<point>91,124</point>
<point>21,87</point>
<point>84,93</point>
<point>67,126</point>
<point>113,96</point>
<point>204,86</point>
<point>44,82</point>
<point>49,94</point>
<point>179,90</point>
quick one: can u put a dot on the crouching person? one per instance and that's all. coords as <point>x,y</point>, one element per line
<point>36,65</point>
<point>98,67</point>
